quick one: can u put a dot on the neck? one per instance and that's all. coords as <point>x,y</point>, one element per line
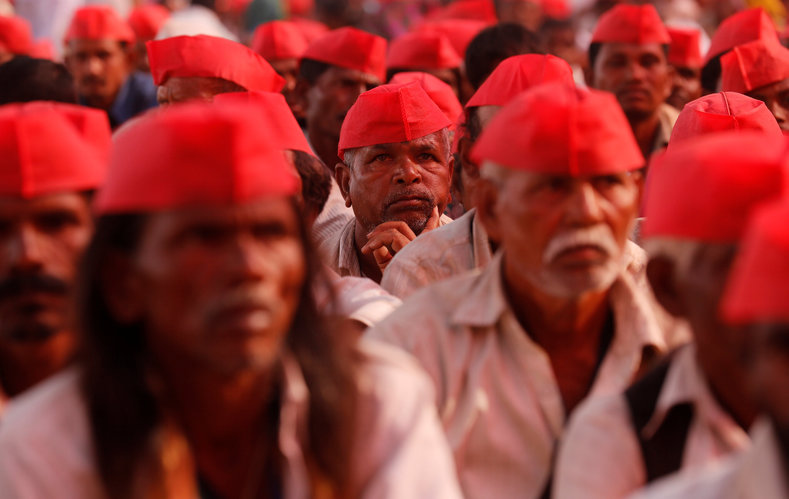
<point>325,147</point>
<point>25,364</point>
<point>645,130</point>
<point>367,263</point>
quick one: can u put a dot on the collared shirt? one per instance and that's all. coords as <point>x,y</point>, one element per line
<point>341,253</point>
<point>356,298</point>
<point>600,456</point>
<point>756,473</point>
<point>400,451</point>
<point>447,251</point>
<point>137,94</point>
<point>496,391</point>
<point>331,220</point>
<point>668,116</point>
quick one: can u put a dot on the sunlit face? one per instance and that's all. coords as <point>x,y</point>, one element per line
<point>99,67</point>
<point>776,98</point>
<point>219,286</point>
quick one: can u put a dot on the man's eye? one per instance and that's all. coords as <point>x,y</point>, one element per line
<point>427,157</point>
<point>54,222</point>
<point>381,157</point>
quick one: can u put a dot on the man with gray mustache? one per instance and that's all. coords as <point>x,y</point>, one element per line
<point>561,313</point>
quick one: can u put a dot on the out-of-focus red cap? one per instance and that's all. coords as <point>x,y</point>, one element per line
<point>560,130</point>
<point>703,188</point>
<point>351,48</point>
<point>422,50</point>
<point>299,7</point>
<point>757,290</point>
<point>478,10</point>
<point>556,9</point>
<point>739,28</point>
<point>44,153</point>
<point>390,113</point>
<point>754,65</point>
<point>98,22</point>
<point>212,57</point>
<point>43,49</point>
<point>195,153</point>
<point>685,48</point>
<point>92,124</point>
<point>277,40</point>
<point>519,73</point>
<point>625,23</point>
<point>310,29</point>
<point>459,32</point>
<point>146,20</point>
<point>274,116</point>
<point>721,112</point>
<point>440,92</point>
<point>16,36</point>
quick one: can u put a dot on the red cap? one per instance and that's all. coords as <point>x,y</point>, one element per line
<point>195,153</point>
<point>742,27</point>
<point>459,32</point>
<point>685,48</point>
<point>440,92</point>
<point>212,57</point>
<point>625,23</point>
<point>721,112</point>
<point>557,9</point>
<point>758,285</point>
<point>310,29</point>
<point>561,130</point>
<point>351,48</point>
<point>98,22</point>
<point>478,10</point>
<point>422,50</point>
<point>16,36</point>
<point>518,73</point>
<point>275,117</point>
<point>146,20</point>
<point>390,113</point>
<point>703,189</point>
<point>44,153</point>
<point>43,49</point>
<point>754,65</point>
<point>277,40</point>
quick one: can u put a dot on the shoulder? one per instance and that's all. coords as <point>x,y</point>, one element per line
<point>432,244</point>
<point>715,481</point>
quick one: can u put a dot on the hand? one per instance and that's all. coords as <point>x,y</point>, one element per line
<point>390,237</point>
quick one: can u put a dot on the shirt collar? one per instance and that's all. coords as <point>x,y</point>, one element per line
<point>347,259</point>
<point>761,473</point>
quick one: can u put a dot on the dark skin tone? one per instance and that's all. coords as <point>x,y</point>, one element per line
<point>776,97</point>
<point>100,68</point>
<point>686,86</point>
<point>182,89</point>
<point>289,70</point>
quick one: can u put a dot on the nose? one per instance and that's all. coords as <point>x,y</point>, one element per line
<point>635,71</point>
<point>25,252</point>
<point>246,259</point>
<point>94,66</point>
<point>407,172</point>
<point>583,206</point>
<point>778,111</point>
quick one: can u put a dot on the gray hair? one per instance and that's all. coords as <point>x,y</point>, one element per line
<point>351,155</point>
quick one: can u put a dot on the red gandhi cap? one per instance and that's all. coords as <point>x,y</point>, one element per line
<point>422,50</point>
<point>478,10</point>
<point>631,24</point>
<point>310,29</point>
<point>560,130</point>
<point>146,20</point>
<point>459,32</point>
<point>350,48</point>
<point>739,28</point>
<point>212,57</point>
<point>194,153</point>
<point>98,22</point>
<point>44,153</point>
<point>390,113</point>
<point>758,286</point>
<point>754,65</point>
<point>273,115</point>
<point>721,112</point>
<point>15,35</point>
<point>685,48</point>
<point>703,189</point>
<point>518,73</point>
<point>437,90</point>
<point>277,40</point>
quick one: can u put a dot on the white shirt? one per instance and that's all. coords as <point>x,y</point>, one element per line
<point>356,298</point>
<point>331,220</point>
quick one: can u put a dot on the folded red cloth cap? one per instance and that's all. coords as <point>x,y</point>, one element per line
<point>758,285</point>
<point>422,50</point>
<point>519,73</point>
<point>16,36</point>
<point>212,57</point>
<point>194,153</point>
<point>351,48</point>
<point>390,113</point>
<point>459,32</point>
<point>704,188</point>
<point>560,130</point>
<point>557,9</point>
<point>274,116</point>
<point>441,93</point>
<point>44,153</point>
<point>478,10</point>
<point>721,112</point>
<point>739,28</point>
<point>146,20</point>
<point>685,48</point>
<point>277,40</point>
<point>625,23</point>
<point>43,49</point>
<point>98,22</point>
<point>310,29</point>
<point>754,65</point>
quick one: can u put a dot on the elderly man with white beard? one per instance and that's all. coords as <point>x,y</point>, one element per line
<point>561,313</point>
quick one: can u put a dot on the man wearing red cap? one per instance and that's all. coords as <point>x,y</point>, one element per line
<point>560,313</point>
<point>282,44</point>
<point>694,408</point>
<point>99,53</point>
<point>429,52</point>
<point>684,55</point>
<point>222,382</point>
<point>16,37</point>
<point>47,174</point>
<point>146,20</point>
<point>628,57</point>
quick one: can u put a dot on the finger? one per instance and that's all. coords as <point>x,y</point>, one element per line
<point>392,239</point>
<point>434,220</point>
<point>382,257</point>
<point>397,225</point>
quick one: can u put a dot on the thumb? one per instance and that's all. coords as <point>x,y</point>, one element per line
<point>434,220</point>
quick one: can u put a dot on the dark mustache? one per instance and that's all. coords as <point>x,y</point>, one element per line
<point>424,194</point>
<point>19,283</point>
